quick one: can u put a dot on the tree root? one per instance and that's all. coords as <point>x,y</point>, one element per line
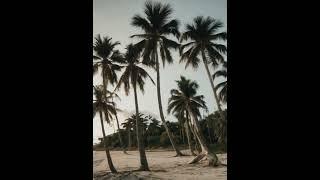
<point>179,154</point>
<point>197,158</point>
<point>213,160</point>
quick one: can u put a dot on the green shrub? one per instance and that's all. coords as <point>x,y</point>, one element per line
<point>164,139</point>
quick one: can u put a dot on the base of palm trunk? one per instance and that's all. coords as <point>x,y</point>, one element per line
<point>142,169</point>
<point>179,154</point>
<point>193,154</point>
<point>213,160</point>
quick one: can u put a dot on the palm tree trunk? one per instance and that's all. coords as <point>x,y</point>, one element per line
<point>103,132</point>
<point>216,99</point>
<point>119,135</point>
<point>174,146</point>
<point>187,128</point>
<point>143,158</point>
<point>205,151</point>
<point>194,137</point>
<point>106,146</point>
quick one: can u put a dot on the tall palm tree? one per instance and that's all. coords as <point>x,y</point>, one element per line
<point>106,58</point>
<point>203,35</point>
<point>178,105</point>
<point>101,106</point>
<point>156,26</point>
<point>134,75</point>
<point>185,98</point>
<point>222,86</point>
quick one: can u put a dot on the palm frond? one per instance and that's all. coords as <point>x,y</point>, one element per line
<point>141,22</point>
<point>219,36</point>
<point>171,27</point>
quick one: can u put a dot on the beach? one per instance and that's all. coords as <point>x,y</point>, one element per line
<point>162,163</point>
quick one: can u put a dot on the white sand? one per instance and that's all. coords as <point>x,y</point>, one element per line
<point>162,165</point>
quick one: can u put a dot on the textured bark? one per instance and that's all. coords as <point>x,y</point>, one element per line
<point>174,146</point>
<point>143,158</point>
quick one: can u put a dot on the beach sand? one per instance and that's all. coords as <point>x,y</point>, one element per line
<point>162,165</point>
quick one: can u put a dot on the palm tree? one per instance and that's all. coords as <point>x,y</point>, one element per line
<point>128,124</point>
<point>185,98</point>
<point>154,126</point>
<point>203,34</point>
<point>105,58</point>
<point>156,27</point>
<point>134,76</point>
<point>222,85</point>
<point>101,106</point>
<point>179,105</point>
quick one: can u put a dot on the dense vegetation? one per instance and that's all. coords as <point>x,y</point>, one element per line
<point>154,133</point>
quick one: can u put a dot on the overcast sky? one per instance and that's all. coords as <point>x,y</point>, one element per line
<point>112,18</point>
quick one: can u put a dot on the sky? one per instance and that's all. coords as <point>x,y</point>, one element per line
<point>112,18</point>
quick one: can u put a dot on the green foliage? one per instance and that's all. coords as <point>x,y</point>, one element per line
<point>156,136</point>
<point>153,141</point>
<point>164,139</point>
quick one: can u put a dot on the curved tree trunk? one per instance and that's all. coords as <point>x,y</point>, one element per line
<point>106,146</point>
<point>187,128</point>
<point>205,151</point>
<point>143,158</point>
<point>104,83</point>
<point>119,135</point>
<point>174,146</point>
<point>193,136</point>
<point>216,99</point>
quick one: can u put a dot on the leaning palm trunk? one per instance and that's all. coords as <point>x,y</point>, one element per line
<point>106,146</point>
<point>194,137</point>
<point>103,132</point>
<point>174,146</point>
<point>143,158</point>
<point>205,152</point>
<point>189,138</point>
<point>187,128</point>
<point>204,59</point>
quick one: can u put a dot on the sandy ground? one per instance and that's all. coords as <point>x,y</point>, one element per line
<point>162,165</point>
